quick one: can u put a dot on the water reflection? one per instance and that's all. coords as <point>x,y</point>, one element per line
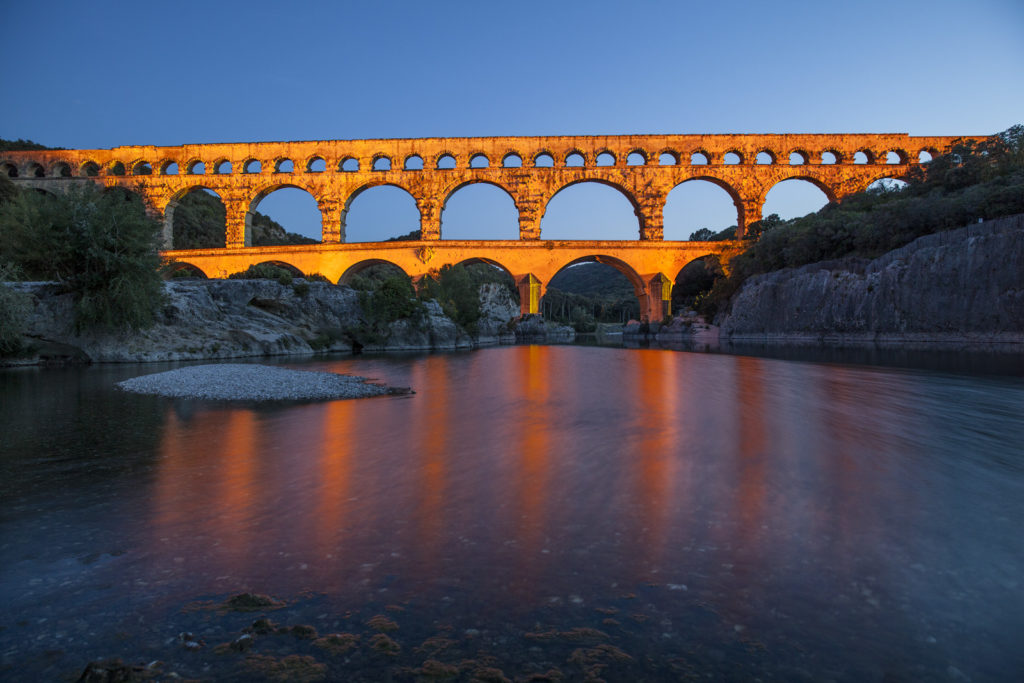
<point>851,521</point>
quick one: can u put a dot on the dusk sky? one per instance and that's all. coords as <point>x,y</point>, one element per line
<point>95,75</point>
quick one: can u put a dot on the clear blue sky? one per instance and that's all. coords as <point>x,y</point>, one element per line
<point>103,74</point>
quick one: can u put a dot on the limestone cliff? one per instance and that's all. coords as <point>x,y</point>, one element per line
<point>961,286</point>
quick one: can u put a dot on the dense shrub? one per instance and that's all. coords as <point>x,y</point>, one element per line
<point>264,271</point>
<point>457,290</point>
<point>100,244</point>
<point>14,307</point>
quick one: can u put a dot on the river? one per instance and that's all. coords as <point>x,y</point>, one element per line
<point>629,514</point>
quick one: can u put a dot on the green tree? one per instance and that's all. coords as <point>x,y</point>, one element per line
<point>100,244</point>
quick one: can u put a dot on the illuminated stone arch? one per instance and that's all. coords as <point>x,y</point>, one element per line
<point>639,287</point>
<point>602,152</point>
<point>192,167</point>
<point>357,268</point>
<point>163,168</point>
<point>141,167</point>
<point>575,151</point>
<point>477,156</point>
<point>802,154</point>
<point>509,154</point>
<point>60,169</point>
<point>312,161</point>
<point>547,198</point>
<point>730,191</point>
<point>644,155</point>
<point>171,203</point>
<point>374,183</point>
<point>463,183</point>
<point>296,272</point>
<point>672,153</point>
<point>9,169</point>
<point>545,153</point>
<point>829,191</point>
<point>381,158</point>
<point>89,169</point>
<point>441,156</point>
<point>772,157</point>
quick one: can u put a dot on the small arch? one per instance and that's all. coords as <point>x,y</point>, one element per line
<point>142,168</point>
<point>36,170</point>
<point>168,167</point>
<point>89,169</point>
<point>700,158</point>
<point>284,165</point>
<point>543,160</point>
<point>479,160</point>
<point>61,169</point>
<point>732,158</point>
<point>381,162</point>
<point>195,168</point>
<point>668,157</point>
<point>895,156</point>
<point>445,162</point>
<point>604,158</point>
<point>512,160</point>
<point>830,156</point>
<point>799,157</point>
<point>115,168</point>
<point>925,155</point>
<point>575,159</point>
<point>9,169</point>
<point>222,167</point>
<point>637,157</point>
<point>765,158</point>
<point>863,156</point>
<point>316,164</point>
<point>177,269</point>
<point>357,269</point>
<point>413,162</point>
<point>349,165</point>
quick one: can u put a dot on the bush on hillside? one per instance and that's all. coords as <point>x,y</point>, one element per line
<point>14,307</point>
<point>100,244</point>
<point>264,271</point>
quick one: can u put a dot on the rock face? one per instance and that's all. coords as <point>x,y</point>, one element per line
<point>961,286</point>
<point>497,311</point>
<point>535,329</point>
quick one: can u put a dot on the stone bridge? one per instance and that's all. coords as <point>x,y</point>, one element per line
<point>532,170</point>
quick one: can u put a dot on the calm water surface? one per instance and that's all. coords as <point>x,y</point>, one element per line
<point>624,514</point>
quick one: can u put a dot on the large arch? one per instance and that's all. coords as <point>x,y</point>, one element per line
<point>477,201</point>
<point>699,206</point>
<point>357,268</point>
<point>592,209</point>
<point>378,212</point>
<point>634,278</point>
<point>195,218</point>
<point>288,206</point>
<point>796,197</point>
<point>176,269</point>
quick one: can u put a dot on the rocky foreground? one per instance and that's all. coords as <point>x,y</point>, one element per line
<point>220,319</point>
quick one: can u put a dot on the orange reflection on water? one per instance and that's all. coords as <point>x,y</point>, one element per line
<point>334,473</point>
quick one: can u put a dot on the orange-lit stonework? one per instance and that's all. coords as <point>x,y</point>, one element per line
<point>644,168</point>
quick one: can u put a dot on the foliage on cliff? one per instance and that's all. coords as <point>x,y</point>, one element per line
<point>199,220</point>
<point>589,293</point>
<point>457,290</point>
<point>100,244</point>
<point>973,181</point>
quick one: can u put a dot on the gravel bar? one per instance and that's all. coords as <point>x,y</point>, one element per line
<point>238,382</point>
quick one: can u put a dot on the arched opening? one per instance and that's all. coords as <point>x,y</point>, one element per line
<point>799,158</point>
<point>222,167</point>
<point>700,210</point>
<point>284,166</point>
<point>861,157</point>
<point>886,185</point>
<point>367,275</point>
<point>445,162</point>
<point>479,211</point>
<point>91,169</point>
<point>349,165</point>
<point>381,163</point>
<point>316,165</point>
<point>668,158</point>
<point>694,280</point>
<point>605,159</point>
<point>413,162</point>
<point>169,168</point>
<point>142,168</point>
<point>479,161</point>
<point>283,265</point>
<point>732,158</point>
<point>195,168</point>
<point>895,156</point>
<point>593,289</point>
<point>636,158</point>
<point>198,219</point>
<point>116,168</point>
<point>924,156</point>
<point>793,198</point>
<point>381,213</point>
<point>9,170</point>
<point>182,269</point>
<point>285,215</point>
<point>512,160</point>
<point>764,158</point>
<point>590,210</point>
<point>63,170</point>
<point>829,157</point>
<point>543,160</point>
<point>36,171</point>
<point>700,159</point>
<point>575,159</point>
